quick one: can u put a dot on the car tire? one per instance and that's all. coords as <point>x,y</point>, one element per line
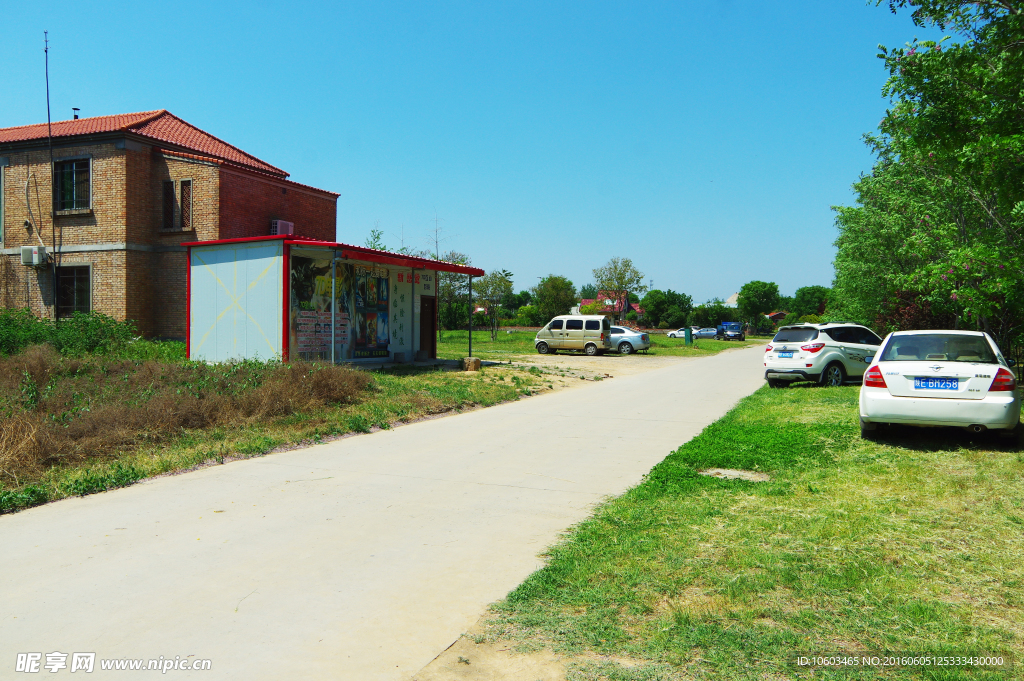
<point>625,348</point>
<point>591,349</point>
<point>777,383</point>
<point>833,376</point>
<point>543,348</point>
<point>868,430</point>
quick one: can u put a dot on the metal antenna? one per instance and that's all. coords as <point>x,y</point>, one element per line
<point>49,143</point>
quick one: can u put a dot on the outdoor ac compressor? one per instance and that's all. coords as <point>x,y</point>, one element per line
<point>33,256</point>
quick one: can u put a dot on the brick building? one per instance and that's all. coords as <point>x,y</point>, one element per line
<point>127,191</point>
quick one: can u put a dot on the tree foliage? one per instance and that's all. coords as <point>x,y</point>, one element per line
<point>808,300</point>
<point>757,298</point>
<point>588,292</point>
<point>712,313</point>
<point>669,306</point>
<point>554,295</point>
<point>619,277</point>
<point>452,294</point>
<point>491,290</point>
<point>937,235</point>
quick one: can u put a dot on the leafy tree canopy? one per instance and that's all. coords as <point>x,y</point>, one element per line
<point>809,300</point>
<point>588,292</point>
<point>554,295</point>
<point>758,298</point>
<point>620,277</point>
<point>937,235</point>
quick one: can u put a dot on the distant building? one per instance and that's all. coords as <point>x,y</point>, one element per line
<point>612,304</point>
<point>733,300</point>
<point>127,191</point>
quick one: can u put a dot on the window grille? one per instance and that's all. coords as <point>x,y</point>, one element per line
<point>186,205</point>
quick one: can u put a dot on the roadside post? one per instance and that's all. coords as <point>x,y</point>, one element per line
<point>688,335</point>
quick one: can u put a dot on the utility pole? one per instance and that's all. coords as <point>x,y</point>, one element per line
<point>53,207</point>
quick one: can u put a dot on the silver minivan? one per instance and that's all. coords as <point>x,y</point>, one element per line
<point>587,332</point>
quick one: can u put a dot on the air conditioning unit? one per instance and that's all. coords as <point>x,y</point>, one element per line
<point>33,256</point>
<point>282,227</point>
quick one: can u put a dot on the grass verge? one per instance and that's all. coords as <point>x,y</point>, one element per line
<point>72,426</point>
<point>910,545</point>
<point>510,343</point>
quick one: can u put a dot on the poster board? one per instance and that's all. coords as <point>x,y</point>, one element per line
<point>360,305</point>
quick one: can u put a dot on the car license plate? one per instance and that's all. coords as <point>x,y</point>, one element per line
<point>936,383</point>
<point>785,355</point>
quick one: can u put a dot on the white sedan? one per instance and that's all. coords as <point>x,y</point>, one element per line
<point>940,378</point>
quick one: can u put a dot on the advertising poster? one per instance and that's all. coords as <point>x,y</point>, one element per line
<point>371,330</point>
<point>311,307</point>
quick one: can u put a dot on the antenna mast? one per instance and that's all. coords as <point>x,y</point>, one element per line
<point>49,143</point>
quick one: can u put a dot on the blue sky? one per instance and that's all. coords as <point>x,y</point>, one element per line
<point>704,141</point>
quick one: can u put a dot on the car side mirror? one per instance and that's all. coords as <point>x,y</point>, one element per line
<point>1011,363</point>
<point>869,360</point>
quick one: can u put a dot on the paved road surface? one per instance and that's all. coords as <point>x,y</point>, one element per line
<point>359,559</point>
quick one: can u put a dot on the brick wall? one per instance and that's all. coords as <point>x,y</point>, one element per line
<point>138,273</point>
<point>248,202</point>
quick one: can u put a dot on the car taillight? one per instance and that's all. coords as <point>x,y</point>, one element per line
<point>813,347</point>
<point>1003,381</point>
<point>602,336</point>
<point>768,349</point>
<point>873,378</point>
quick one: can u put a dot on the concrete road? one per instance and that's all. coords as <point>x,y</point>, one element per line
<point>359,559</point>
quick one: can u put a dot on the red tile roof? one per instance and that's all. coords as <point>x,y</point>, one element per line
<point>158,125</point>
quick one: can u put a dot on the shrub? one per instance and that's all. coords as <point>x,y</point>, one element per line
<point>631,316</point>
<point>76,335</point>
<point>663,325</point>
<point>56,410</point>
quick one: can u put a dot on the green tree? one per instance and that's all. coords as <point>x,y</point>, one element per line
<point>756,299</point>
<point>937,235</point>
<point>809,300</point>
<point>452,294</point>
<point>376,238</point>
<point>712,313</point>
<point>554,295</point>
<point>618,278</point>
<point>655,304</point>
<point>588,291</point>
<point>491,289</point>
<point>666,306</point>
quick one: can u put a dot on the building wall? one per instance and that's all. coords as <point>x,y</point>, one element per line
<point>102,223</point>
<point>139,268</point>
<point>248,203</point>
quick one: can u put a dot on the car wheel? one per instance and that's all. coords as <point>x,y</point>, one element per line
<point>833,375</point>
<point>591,349</point>
<point>625,348</point>
<point>777,383</point>
<point>543,348</point>
<point>868,430</point>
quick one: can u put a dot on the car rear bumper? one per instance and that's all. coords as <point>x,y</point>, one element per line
<point>995,410</point>
<point>790,375</point>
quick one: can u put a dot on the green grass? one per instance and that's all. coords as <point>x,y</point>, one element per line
<point>394,396</point>
<point>911,544</point>
<point>455,345</point>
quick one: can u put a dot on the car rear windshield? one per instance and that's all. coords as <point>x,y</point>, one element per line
<point>795,335</point>
<point>938,347</point>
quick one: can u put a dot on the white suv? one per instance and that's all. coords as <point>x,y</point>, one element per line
<point>829,354</point>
